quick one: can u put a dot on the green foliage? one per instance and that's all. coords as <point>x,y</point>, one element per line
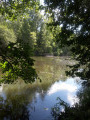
<point>26,37</point>
<point>6,36</point>
<point>44,39</point>
<point>11,9</point>
<point>23,33</point>
<point>15,58</point>
<point>17,63</point>
<point>79,111</point>
<point>56,110</point>
<point>73,16</point>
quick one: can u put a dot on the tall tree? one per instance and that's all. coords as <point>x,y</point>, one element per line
<point>44,40</point>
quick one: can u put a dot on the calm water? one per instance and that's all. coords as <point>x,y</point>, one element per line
<point>34,101</point>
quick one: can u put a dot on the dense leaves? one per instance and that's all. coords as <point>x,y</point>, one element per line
<point>15,57</point>
<point>11,9</point>
<point>15,60</point>
<point>74,18</point>
<point>23,34</point>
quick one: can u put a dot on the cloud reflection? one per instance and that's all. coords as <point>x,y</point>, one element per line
<point>70,88</point>
<point>62,86</point>
<point>72,100</point>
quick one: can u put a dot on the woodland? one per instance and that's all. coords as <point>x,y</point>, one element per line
<point>59,28</point>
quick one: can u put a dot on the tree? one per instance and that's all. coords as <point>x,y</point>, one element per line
<point>33,31</point>
<point>44,40</point>
<point>79,111</point>
<point>15,60</point>
<point>74,18</point>
<point>6,36</point>
<point>11,9</point>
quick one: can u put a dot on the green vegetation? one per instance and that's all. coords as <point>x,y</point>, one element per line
<point>23,34</point>
<point>79,111</point>
<point>15,56</point>
<point>65,30</point>
<point>74,18</point>
<point>19,95</point>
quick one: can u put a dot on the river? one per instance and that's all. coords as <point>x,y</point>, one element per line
<point>22,101</point>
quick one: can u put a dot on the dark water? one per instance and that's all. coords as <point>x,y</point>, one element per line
<point>34,101</point>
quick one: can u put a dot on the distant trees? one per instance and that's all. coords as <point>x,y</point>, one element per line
<point>34,32</point>
<point>6,36</point>
<point>44,38</point>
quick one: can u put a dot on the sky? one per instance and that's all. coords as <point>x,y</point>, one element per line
<point>42,2</point>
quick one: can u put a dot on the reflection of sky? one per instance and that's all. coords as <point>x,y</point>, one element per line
<point>44,101</point>
<point>2,94</point>
<point>69,88</point>
<point>1,88</point>
<point>61,86</point>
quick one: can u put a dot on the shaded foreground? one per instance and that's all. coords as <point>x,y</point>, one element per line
<point>79,111</point>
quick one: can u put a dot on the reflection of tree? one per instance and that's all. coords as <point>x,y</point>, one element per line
<point>50,68</point>
<point>43,94</point>
<point>19,95</point>
<point>14,108</point>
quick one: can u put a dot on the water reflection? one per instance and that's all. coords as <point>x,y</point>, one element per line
<point>68,89</point>
<point>51,68</point>
<point>14,108</point>
<point>58,89</point>
<point>34,101</point>
<point>62,86</point>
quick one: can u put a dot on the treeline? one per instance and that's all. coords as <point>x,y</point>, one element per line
<point>33,34</point>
